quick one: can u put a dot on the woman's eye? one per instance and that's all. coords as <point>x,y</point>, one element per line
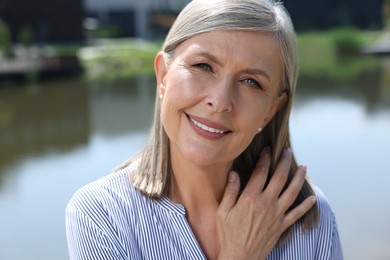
<point>204,66</point>
<point>252,83</point>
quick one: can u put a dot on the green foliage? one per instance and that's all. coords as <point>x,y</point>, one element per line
<point>26,35</point>
<point>119,60</point>
<point>5,38</point>
<point>109,32</point>
<point>386,14</point>
<point>347,42</point>
<point>319,56</point>
<point>335,53</point>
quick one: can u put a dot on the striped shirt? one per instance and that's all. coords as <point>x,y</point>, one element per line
<point>110,219</point>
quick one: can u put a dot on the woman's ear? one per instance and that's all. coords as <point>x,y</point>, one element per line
<point>160,69</point>
<point>280,101</point>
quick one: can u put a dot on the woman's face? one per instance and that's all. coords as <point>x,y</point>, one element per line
<point>217,91</point>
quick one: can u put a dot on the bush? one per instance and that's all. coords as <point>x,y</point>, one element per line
<point>347,42</point>
<point>26,35</point>
<point>5,38</point>
<point>335,53</point>
<point>109,32</point>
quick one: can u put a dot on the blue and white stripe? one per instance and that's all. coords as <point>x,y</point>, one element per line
<point>110,219</point>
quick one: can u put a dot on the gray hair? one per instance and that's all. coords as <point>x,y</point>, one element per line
<point>201,16</point>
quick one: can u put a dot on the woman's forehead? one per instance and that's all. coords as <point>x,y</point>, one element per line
<point>246,48</point>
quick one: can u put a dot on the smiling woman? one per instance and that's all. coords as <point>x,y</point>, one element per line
<point>208,84</point>
<point>217,179</point>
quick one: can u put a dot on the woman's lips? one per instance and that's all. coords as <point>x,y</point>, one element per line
<point>208,129</point>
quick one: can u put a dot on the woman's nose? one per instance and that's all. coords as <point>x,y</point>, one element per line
<point>220,98</point>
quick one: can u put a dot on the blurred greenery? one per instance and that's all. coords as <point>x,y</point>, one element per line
<point>68,49</point>
<point>109,32</point>
<point>386,14</point>
<point>26,35</point>
<point>119,60</point>
<point>335,53</point>
<point>5,39</point>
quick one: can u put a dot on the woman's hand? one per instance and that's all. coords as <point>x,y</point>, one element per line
<point>250,227</point>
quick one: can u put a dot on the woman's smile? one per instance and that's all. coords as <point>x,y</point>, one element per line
<point>207,128</point>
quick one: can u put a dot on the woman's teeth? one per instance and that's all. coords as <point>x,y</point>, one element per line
<point>206,128</point>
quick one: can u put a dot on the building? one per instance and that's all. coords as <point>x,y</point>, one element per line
<point>62,20</point>
<point>329,14</point>
<point>148,19</point>
<point>44,21</point>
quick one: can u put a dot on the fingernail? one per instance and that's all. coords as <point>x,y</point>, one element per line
<point>232,176</point>
<point>304,167</point>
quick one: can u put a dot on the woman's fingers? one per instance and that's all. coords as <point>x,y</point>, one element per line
<point>259,175</point>
<point>279,178</point>
<point>231,193</point>
<point>293,189</point>
<point>296,213</point>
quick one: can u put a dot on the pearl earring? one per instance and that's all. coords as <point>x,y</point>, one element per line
<point>159,90</point>
<point>259,130</point>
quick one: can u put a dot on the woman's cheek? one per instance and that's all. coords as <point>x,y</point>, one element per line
<point>184,85</point>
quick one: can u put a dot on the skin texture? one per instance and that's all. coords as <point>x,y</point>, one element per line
<point>228,81</point>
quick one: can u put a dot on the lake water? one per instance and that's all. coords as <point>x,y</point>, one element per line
<point>57,136</point>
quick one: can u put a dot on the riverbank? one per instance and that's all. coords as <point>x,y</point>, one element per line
<point>111,60</point>
<point>336,53</point>
<point>333,53</point>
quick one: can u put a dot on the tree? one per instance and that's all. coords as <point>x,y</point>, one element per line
<point>5,39</point>
<point>386,14</point>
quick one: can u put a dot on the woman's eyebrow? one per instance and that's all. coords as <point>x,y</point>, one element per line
<point>258,72</point>
<point>210,57</point>
<point>254,71</point>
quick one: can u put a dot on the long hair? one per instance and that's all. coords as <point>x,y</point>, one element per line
<point>153,175</point>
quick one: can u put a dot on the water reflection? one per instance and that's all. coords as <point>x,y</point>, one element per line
<point>57,136</point>
<point>41,119</point>
<point>122,108</point>
<point>59,116</point>
<point>372,87</point>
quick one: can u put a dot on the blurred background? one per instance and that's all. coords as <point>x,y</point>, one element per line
<point>77,92</point>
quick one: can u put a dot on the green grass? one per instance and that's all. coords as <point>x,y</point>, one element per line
<point>119,60</point>
<point>335,53</point>
<point>65,49</point>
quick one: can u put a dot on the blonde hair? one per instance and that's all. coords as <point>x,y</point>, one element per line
<point>153,175</point>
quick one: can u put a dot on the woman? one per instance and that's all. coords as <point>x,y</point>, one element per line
<point>217,179</point>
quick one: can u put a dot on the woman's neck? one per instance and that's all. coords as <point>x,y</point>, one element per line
<point>200,190</point>
<point>197,187</point>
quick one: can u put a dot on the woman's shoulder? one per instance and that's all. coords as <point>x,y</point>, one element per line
<point>323,238</point>
<point>325,210</point>
<point>110,191</point>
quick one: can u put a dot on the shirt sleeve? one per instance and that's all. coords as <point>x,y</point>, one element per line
<point>336,251</point>
<point>86,240</point>
<point>329,245</point>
